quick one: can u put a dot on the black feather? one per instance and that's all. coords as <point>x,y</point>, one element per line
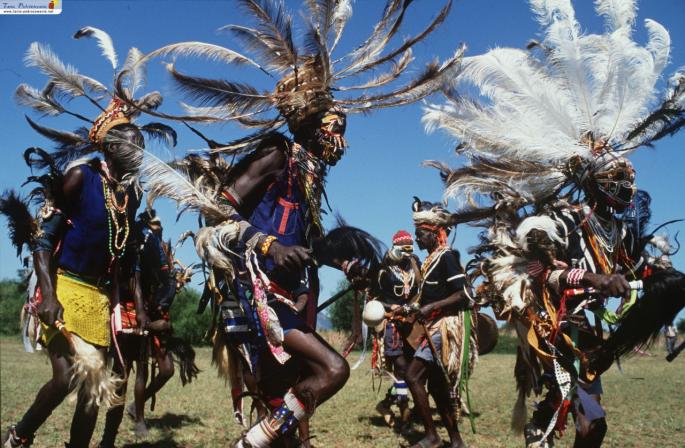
<point>184,356</point>
<point>161,132</point>
<point>347,243</point>
<point>65,140</point>
<point>20,223</point>
<point>666,120</point>
<point>662,300</point>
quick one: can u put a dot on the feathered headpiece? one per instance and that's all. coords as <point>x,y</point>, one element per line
<point>428,214</point>
<point>310,73</point>
<point>65,83</point>
<point>569,105</point>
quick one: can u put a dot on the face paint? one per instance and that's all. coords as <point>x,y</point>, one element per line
<point>616,182</point>
<point>330,136</point>
<point>398,253</point>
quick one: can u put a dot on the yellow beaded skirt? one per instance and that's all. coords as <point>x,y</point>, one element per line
<point>86,311</point>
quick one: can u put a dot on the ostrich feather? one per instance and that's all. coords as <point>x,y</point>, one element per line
<point>385,29</point>
<point>543,224</point>
<point>20,223</point>
<point>432,78</point>
<point>398,68</point>
<point>408,43</point>
<point>162,132</point>
<point>618,13</point>
<point>64,139</point>
<point>150,101</point>
<point>162,180</point>
<point>65,77</point>
<point>104,42</point>
<point>235,97</point>
<point>667,119</point>
<point>199,49</point>
<point>41,101</point>
<point>275,29</point>
<point>134,71</point>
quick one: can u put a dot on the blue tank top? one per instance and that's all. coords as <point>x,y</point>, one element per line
<point>282,210</point>
<point>84,248</point>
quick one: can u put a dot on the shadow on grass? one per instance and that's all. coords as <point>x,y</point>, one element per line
<point>166,442</point>
<point>172,421</point>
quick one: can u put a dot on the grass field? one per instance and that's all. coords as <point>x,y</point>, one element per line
<point>644,405</point>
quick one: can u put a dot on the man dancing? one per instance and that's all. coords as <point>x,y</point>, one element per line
<point>397,285</point>
<point>446,351</point>
<point>150,274</point>
<point>81,234</point>
<point>566,228</point>
<point>269,211</point>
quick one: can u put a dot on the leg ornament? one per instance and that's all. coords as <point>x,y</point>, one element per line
<point>280,422</point>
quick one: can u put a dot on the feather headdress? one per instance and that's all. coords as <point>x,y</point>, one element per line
<point>309,72</point>
<point>65,83</point>
<point>553,110</point>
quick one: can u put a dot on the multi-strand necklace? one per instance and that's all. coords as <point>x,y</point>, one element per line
<point>117,221</point>
<point>603,240</point>
<point>311,174</point>
<point>407,278</point>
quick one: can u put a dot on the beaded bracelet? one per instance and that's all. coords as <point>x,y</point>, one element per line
<point>266,244</point>
<point>575,276</point>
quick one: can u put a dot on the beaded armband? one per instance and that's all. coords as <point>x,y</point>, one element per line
<point>575,276</point>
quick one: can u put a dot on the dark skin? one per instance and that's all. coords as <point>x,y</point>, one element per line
<point>325,371</point>
<point>133,350</point>
<point>419,371</point>
<point>57,388</point>
<point>165,365</point>
<point>591,434</point>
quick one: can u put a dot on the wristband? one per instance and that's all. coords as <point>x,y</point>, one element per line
<point>266,244</point>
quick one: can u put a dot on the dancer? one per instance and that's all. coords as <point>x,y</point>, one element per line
<point>566,228</point>
<point>266,208</point>
<point>397,285</point>
<point>150,274</point>
<point>161,281</point>
<point>446,350</point>
<point>81,234</point>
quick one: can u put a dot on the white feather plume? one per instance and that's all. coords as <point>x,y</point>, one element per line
<point>65,77</point>
<point>104,42</point>
<point>161,179</point>
<point>547,106</point>
<point>202,49</point>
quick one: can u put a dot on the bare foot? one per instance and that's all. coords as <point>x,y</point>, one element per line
<point>140,430</point>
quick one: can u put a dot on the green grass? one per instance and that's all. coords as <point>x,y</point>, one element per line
<point>644,406</point>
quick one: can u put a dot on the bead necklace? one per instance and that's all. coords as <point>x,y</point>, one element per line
<point>407,278</point>
<point>117,234</point>
<point>428,262</point>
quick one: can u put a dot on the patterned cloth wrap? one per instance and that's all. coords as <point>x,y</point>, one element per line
<point>128,315</point>
<point>86,311</point>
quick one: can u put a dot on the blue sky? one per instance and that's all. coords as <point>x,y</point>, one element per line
<point>372,187</point>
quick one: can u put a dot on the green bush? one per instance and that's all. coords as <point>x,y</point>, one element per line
<point>340,312</point>
<point>11,302</point>
<point>506,344</point>
<point>186,322</point>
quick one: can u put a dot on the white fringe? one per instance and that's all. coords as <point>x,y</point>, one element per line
<point>89,370</point>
